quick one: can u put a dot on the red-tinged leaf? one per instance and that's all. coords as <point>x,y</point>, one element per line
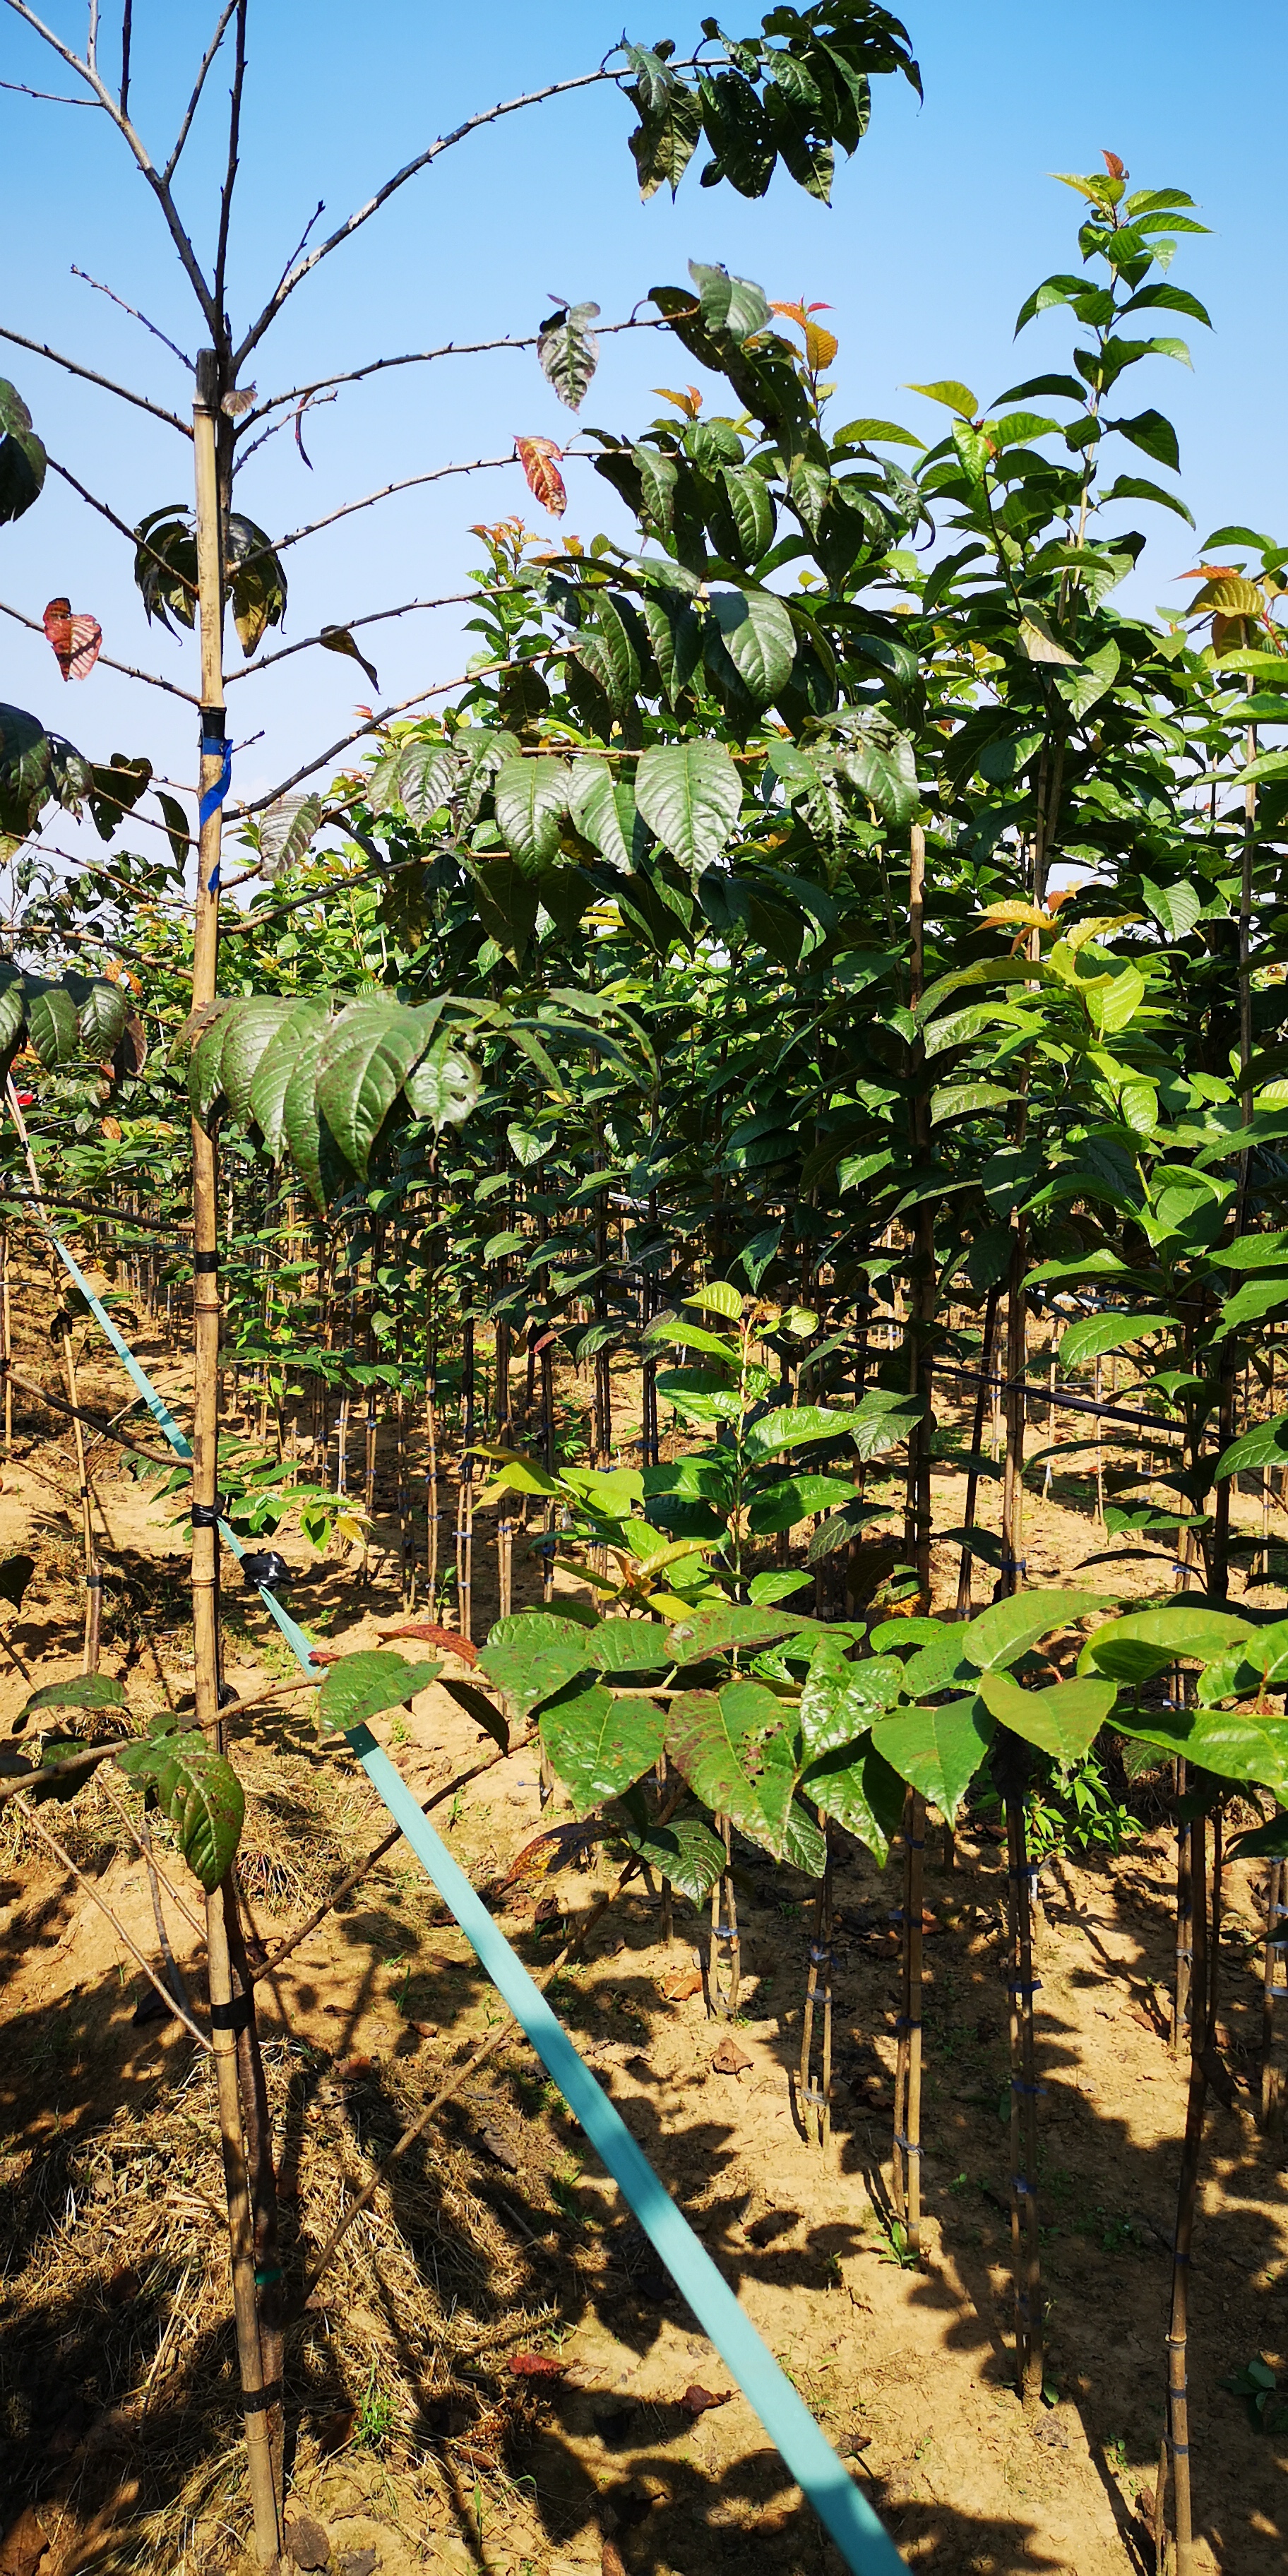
<point>698,2400</point>
<point>446,1639</point>
<point>1116,168</point>
<point>540,459</point>
<point>791,312</point>
<point>536,2365</point>
<point>689,403</point>
<point>75,636</point>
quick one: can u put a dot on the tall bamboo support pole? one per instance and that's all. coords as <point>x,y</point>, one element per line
<point>257,2400</point>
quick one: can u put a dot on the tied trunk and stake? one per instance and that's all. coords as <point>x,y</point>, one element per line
<point>816,2098</point>
<point>922,1302</point>
<point>1011,1768</point>
<point>1201,2038</point>
<point>907,2074</point>
<point>261,2399</point>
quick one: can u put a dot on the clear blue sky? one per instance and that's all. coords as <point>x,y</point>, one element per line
<point>940,225</point>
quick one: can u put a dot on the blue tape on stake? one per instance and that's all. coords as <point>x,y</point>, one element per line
<point>860,2537</point>
<point>214,747</point>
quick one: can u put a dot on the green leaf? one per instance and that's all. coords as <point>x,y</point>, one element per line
<point>568,351</point>
<point>759,638</point>
<point>176,824</point>
<point>840,1699</point>
<point>790,1426</point>
<point>301,1126</point>
<point>80,1690</point>
<point>1266,1445</point>
<point>687,1853</point>
<point>937,1750</point>
<point>368,1053</point>
<point>663,143</point>
<point>1257,1297</point>
<point>102,1017</point>
<point>446,1084</point>
<point>536,1658</point>
<point>205,1081</point>
<point>675,633</point>
<point>885,771</point>
<point>1093,1334</point>
<point>592,806</point>
<point>607,648</point>
<point>727,1624</point>
<point>863,1792</point>
<point>51,1024</point>
<point>285,833</point>
<point>1141,1645</point>
<point>361,1685</point>
<point>956,397</point>
<point>966,1100</point>
<point>731,304</point>
<point>598,1745</point>
<point>248,1028</point>
<point>418,775</point>
<point>530,799</point>
<point>266,1097</point>
<point>256,581</point>
<point>1064,1720</point>
<point>22,457</point>
<point>1151,431</point>
<point>784,1506</point>
<point>736,1749</point>
<point>719,1297</point>
<point>690,795</point>
<point>1135,487</point>
<point>1007,1630</point>
<point>200,1793</point>
<point>752,512</point>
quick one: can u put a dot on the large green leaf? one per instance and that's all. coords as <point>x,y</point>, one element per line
<point>1063,1721</point>
<point>629,1645</point>
<point>200,1793</point>
<point>266,1097</point>
<point>885,771</point>
<point>937,1750</point>
<point>599,1744</point>
<point>737,1750</point>
<point>52,1027</point>
<point>792,1426</point>
<point>22,457</point>
<point>477,1705</point>
<point>725,1624</point>
<point>1006,1631</point>
<point>256,581</point>
<point>864,1794</point>
<point>102,1016</point>
<point>1093,1334</point>
<point>535,1658</point>
<point>361,1685</point>
<point>1234,1746</point>
<point>445,1085</point>
<point>687,1853</point>
<point>568,351</point>
<point>840,1699</point>
<point>248,1029</point>
<point>752,512</point>
<point>1136,1648</point>
<point>368,1053</point>
<point>80,1690</point>
<point>531,799</point>
<point>690,795</point>
<point>300,1124</point>
<point>592,805</point>
<point>1266,1445</point>
<point>759,638</point>
<point>783,1506</point>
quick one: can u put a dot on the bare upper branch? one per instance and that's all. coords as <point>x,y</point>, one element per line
<point>230,174</point>
<point>408,482</point>
<point>346,625</point>
<point>422,161</point>
<point>425,357</point>
<point>136,316</point>
<point>73,366</point>
<point>131,673</point>
<point>195,100</point>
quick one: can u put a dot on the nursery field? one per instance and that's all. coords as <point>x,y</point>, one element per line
<point>644,1506</point>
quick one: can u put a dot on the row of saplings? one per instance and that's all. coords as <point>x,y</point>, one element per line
<point>675,1700</point>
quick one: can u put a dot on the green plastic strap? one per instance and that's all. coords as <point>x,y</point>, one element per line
<point>860,2537</point>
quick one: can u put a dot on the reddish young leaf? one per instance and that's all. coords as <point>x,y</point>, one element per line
<point>75,637</point>
<point>697,2399</point>
<point>689,403</point>
<point>1116,168</point>
<point>536,2365</point>
<point>446,1639</point>
<point>540,458</point>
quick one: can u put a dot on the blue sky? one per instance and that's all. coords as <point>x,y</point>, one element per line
<point>940,225</point>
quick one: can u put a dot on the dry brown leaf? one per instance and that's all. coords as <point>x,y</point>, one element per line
<point>729,2059</point>
<point>23,2546</point>
<point>685,1982</point>
<point>536,2365</point>
<point>306,2541</point>
<point>698,2400</point>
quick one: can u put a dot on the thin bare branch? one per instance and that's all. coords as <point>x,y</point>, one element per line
<point>42,349</point>
<point>423,160</point>
<point>195,100</point>
<point>140,543</point>
<point>408,483</point>
<point>91,40</point>
<point>56,96</point>
<point>133,311</point>
<point>426,357</point>
<point>230,174</point>
<point>127,37</point>
<point>376,617</point>
<point>52,1844</point>
<point>302,408</point>
<point>159,185</point>
<point>128,668</point>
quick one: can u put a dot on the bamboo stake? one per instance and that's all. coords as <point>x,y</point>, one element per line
<point>816,2099</point>
<point>1011,1771</point>
<point>1186,2203</point>
<point>907,2080</point>
<point>964,1602</point>
<point>6,1343</point>
<point>1275,1912</point>
<point>256,2399</point>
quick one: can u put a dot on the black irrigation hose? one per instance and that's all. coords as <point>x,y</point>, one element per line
<point>1042,1396</point>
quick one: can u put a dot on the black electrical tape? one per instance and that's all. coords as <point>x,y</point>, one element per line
<point>204,1263</point>
<point>233,2016</point>
<point>205,1515</point>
